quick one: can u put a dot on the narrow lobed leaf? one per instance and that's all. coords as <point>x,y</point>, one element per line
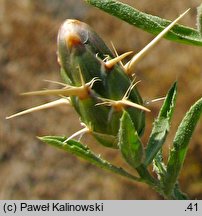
<point>161,126</point>
<point>180,145</point>
<point>78,149</point>
<point>147,22</point>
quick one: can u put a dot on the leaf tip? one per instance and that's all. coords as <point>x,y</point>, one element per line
<point>199,19</point>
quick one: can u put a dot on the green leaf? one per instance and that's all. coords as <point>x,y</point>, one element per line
<point>60,142</point>
<point>129,142</point>
<point>147,22</point>
<point>180,145</point>
<point>199,19</point>
<point>78,149</point>
<point>161,127</point>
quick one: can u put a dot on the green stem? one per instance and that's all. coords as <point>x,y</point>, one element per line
<point>149,179</point>
<point>144,173</point>
<point>156,185</point>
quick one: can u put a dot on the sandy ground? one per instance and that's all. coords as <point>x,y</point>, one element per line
<point>33,170</point>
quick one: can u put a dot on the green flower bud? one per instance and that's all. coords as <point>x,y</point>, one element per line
<point>81,54</point>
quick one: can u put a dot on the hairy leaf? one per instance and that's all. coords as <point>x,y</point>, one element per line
<point>180,145</point>
<point>147,22</point>
<point>161,126</point>
<point>78,149</point>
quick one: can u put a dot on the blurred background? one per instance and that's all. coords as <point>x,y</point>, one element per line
<point>30,169</point>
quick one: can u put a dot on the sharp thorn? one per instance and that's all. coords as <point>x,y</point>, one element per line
<point>120,104</point>
<point>79,133</point>
<point>132,85</point>
<point>47,92</point>
<point>81,92</point>
<point>155,100</point>
<point>110,63</point>
<point>116,53</point>
<point>135,105</point>
<point>137,57</point>
<point>91,83</point>
<point>41,107</point>
<point>81,76</point>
